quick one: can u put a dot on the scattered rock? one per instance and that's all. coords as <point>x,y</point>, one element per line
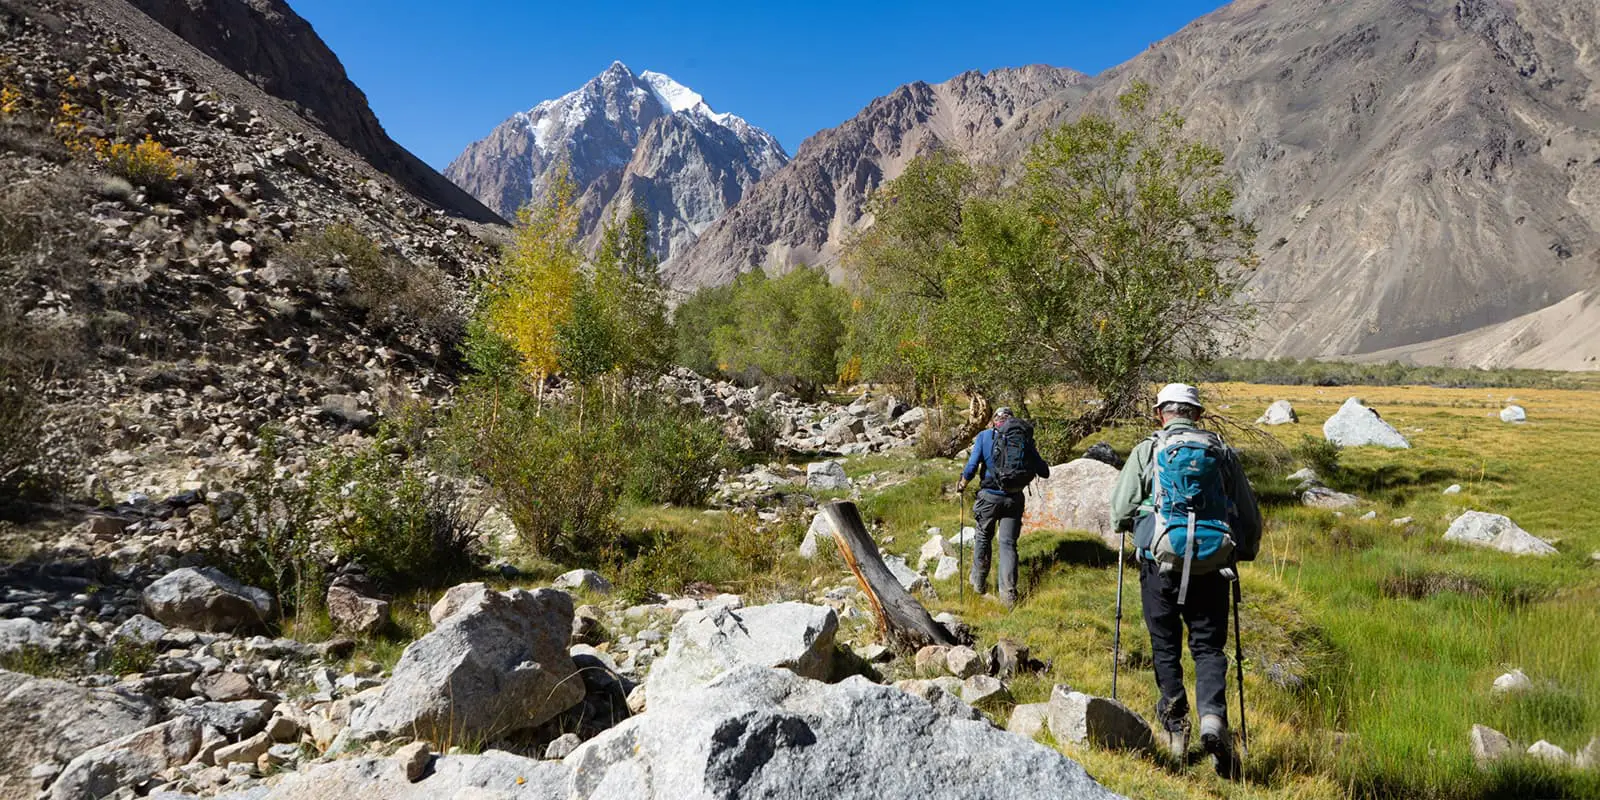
<point>1482,529</point>
<point>1028,719</point>
<point>21,633</point>
<point>1545,751</point>
<point>585,579</point>
<point>1454,488</point>
<point>129,761</point>
<point>1281,412</point>
<point>206,599</point>
<point>414,759</point>
<point>236,719</point>
<point>1076,497</point>
<point>139,631</point>
<point>941,693</point>
<point>932,660</point>
<point>457,597</point>
<point>1008,659</point>
<point>1488,745</point>
<point>948,568</point>
<point>821,530</point>
<point>707,643</point>
<point>54,721</point>
<point>1589,756</point>
<point>1328,499</point>
<point>984,692</point>
<point>827,476</point>
<point>932,550</point>
<point>1305,476</point>
<point>355,613</point>
<point>1513,414</point>
<point>1103,453</point>
<point>245,752</point>
<point>225,687</point>
<point>1355,425</point>
<point>562,746</point>
<point>497,665</point>
<point>964,662</point>
<point>910,580</point>
<point>346,411</point>
<point>1512,682</point>
<point>1077,717</point>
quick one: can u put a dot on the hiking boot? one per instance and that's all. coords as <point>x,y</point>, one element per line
<point>1218,742</point>
<point>1008,599</point>
<point>1176,743</point>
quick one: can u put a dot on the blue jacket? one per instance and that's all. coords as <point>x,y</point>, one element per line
<point>983,455</point>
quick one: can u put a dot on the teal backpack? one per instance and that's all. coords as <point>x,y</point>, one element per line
<point>1191,508</point>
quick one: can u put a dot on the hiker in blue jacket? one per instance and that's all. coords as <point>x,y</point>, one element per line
<point>999,501</point>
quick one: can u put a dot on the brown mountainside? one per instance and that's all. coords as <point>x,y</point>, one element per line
<point>1417,169</point>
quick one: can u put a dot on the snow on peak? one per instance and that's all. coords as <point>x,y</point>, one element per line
<point>673,95</point>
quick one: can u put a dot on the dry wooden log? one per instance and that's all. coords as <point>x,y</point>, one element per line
<point>905,624</point>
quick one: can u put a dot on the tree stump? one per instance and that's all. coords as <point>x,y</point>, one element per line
<point>905,624</point>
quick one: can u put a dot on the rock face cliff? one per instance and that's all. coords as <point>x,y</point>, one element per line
<point>802,214</point>
<point>624,137</point>
<point>266,42</point>
<point>1418,170</point>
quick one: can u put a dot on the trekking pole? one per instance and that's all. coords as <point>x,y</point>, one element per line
<point>1116,637</point>
<point>1238,660</point>
<point>961,548</point>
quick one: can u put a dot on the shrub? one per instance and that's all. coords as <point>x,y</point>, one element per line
<point>1320,455</point>
<point>269,539</point>
<point>762,428</point>
<point>558,475</point>
<point>675,456</point>
<point>388,516</point>
<point>147,163</point>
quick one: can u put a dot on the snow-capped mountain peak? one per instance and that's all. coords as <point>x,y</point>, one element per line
<point>673,95</point>
<point>624,136</point>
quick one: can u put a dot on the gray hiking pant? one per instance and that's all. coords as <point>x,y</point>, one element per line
<point>992,512</point>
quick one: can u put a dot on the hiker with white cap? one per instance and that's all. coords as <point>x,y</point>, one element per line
<point>1184,495</point>
<point>1008,460</point>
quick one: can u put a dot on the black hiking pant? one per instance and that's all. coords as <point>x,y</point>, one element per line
<point>993,513</point>
<point>1206,614</point>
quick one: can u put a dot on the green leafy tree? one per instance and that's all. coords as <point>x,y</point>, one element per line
<point>786,330</point>
<point>695,321</point>
<point>628,293</point>
<point>1116,261</point>
<point>1134,264</point>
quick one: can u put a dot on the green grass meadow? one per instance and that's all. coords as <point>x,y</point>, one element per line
<point>1370,646</point>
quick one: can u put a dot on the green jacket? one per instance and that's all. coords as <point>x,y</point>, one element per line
<point>1131,497</point>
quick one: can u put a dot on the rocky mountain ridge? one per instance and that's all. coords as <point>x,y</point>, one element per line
<point>804,212</point>
<point>624,137</point>
<point>273,47</point>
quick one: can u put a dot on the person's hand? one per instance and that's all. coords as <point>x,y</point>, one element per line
<point>961,486</point>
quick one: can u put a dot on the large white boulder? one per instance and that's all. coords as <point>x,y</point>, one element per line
<point>497,665</point>
<point>1482,529</point>
<point>1279,413</point>
<point>1354,425</point>
<point>767,733</point>
<point>709,642</point>
<point>1076,497</point>
<point>1513,413</point>
<point>206,599</point>
<point>21,633</point>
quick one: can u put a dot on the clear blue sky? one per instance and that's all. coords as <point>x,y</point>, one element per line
<point>441,73</point>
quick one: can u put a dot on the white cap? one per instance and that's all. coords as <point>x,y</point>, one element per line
<point>1178,393</point>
